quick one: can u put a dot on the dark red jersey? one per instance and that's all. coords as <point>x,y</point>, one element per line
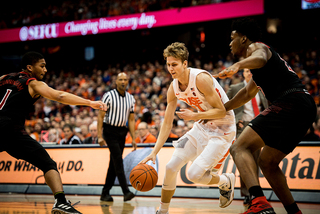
<point>15,100</point>
<point>276,77</point>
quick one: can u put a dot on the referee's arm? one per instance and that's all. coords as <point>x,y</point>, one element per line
<point>131,124</point>
<point>101,115</point>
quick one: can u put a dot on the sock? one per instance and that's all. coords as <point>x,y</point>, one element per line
<point>60,196</point>
<point>292,208</point>
<point>223,179</point>
<point>256,191</point>
<point>164,207</point>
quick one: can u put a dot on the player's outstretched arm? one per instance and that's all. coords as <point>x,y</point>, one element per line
<point>258,55</point>
<point>41,88</point>
<point>243,96</point>
<point>165,127</point>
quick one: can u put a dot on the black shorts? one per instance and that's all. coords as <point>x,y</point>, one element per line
<point>283,125</point>
<point>17,143</point>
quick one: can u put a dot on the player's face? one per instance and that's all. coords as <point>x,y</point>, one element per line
<point>39,69</point>
<point>175,66</point>
<point>235,44</point>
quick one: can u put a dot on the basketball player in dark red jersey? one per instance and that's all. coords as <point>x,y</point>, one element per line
<point>279,128</point>
<point>18,92</point>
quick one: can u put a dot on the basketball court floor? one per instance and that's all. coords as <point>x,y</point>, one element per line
<point>42,204</point>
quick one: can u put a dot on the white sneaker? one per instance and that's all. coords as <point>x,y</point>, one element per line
<point>227,190</point>
<point>158,212</point>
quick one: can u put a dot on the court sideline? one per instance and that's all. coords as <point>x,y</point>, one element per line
<point>42,204</point>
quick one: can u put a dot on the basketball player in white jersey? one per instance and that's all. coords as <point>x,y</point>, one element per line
<point>206,144</point>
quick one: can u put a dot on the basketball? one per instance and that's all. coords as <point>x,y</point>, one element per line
<point>143,177</point>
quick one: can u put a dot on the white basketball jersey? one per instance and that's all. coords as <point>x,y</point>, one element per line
<point>194,98</point>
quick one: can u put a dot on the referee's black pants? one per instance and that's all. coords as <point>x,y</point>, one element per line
<point>115,138</point>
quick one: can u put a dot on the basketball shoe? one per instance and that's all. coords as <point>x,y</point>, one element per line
<point>158,212</point>
<point>246,202</point>
<point>260,205</point>
<point>64,208</point>
<point>227,190</point>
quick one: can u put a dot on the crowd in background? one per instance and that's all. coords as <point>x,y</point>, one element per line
<point>148,83</point>
<point>68,10</point>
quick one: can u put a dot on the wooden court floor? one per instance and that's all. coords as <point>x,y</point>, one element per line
<point>42,204</point>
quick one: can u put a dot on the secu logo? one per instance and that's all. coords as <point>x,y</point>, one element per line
<point>39,32</point>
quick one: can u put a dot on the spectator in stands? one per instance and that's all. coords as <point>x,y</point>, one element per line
<point>36,131</point>
<point>54,136</point>
<point>144,135</point>
<point>154,131</point>
<point>93,139</point>
<point>69,136</point>
<point>84,132</point>
<point>179,132</point>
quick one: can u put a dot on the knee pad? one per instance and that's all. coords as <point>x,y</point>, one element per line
<point>172,169</point>
<point>198,175</point>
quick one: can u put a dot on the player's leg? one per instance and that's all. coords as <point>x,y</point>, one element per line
<point>243,188</point>
<point>32,152</point>
<point>184,152</point>
<point>212,157</point>
<point>242,152</point>
<point>269,164</point>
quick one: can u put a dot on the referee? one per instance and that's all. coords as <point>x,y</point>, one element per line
<point>114,122</point>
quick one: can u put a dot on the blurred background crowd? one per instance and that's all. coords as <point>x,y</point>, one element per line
<point>148,77</point>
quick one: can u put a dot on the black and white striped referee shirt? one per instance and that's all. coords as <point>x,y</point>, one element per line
<point>119,107</point>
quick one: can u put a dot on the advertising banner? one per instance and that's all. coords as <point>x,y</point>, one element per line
<point>310,4</point>
<point>88,166</point>
<point>134,21</point>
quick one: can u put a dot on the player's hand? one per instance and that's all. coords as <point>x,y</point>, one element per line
<point>98,105</point>
<point>101,141</point>
<point>185,114</point>
<point>134,145</point>
<point>151,157</point>
<point>228,72</point>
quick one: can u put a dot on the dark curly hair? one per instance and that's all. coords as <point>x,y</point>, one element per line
<point>30,58</point>
<point>247,27</point>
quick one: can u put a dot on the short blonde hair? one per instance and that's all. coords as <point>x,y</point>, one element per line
<point>176,50</point>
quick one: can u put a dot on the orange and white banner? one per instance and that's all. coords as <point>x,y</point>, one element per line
<point>87,166</point>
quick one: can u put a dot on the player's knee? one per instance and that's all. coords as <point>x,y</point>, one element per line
<point>266,163</point>
<point>233,150</point>
<point>195,174</point>
<point>171,168</point>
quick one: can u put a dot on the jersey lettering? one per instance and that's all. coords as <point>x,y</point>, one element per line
<point>4,99</point>
<point>193,101</point>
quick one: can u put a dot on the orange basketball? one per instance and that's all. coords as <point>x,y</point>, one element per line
<point>143,177</point>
